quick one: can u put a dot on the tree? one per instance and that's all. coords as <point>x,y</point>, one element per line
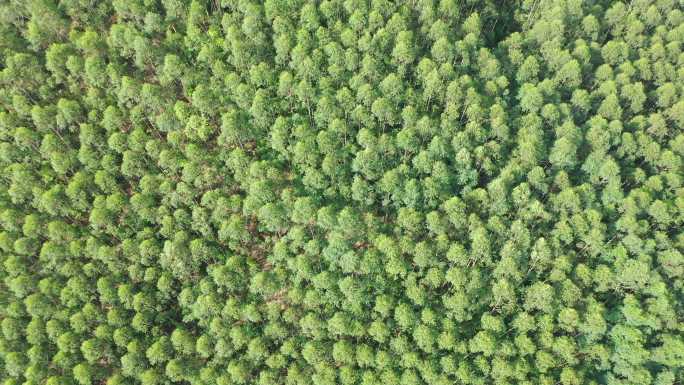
<point>530,98</point>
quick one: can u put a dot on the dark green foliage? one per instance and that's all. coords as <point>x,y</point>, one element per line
<point>341,192</point>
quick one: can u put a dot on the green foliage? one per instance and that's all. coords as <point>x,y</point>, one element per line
<point>341,192</point>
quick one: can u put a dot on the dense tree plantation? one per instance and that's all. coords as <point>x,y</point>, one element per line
<point>353,192</point>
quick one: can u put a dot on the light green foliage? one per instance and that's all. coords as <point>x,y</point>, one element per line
<point>348,192</point>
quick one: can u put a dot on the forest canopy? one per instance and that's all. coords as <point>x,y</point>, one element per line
<point>352,192</point>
